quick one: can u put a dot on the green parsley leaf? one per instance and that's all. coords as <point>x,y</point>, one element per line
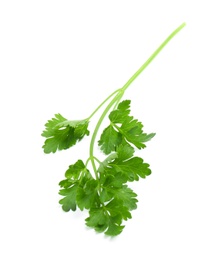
<point>121,113</point>
<point>62,134</point>
<point>87,195</point>
<point>75,170</point>
<point>124,152</point>
<point>103,164</point>
<point>78,187</point>
<point>116,208</point>
<point>73,174</point>
<point>114,228</point>
<point>122,194</point>
<point>131,129</point>
<point>126,196</point>
<point>98,219</point>
<point>102,221</point>
<point>109,140</point>
<point>69,201</point>
<point>131,167</point>
<point>123,128</point>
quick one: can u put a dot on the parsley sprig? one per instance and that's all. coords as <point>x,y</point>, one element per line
<point>104,190</point>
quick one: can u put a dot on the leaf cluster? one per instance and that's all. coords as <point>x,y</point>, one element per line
<point>104,191</point>
<point>107,197</point>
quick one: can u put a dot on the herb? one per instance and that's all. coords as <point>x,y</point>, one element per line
<point>104,190</point>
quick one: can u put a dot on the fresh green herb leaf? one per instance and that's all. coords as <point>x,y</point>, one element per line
<point>123,127</point>
<point>75,170</point>
<point>121,113</point>
<point>105,193</point>
<point>110,139</point>
<point>103,164</point>
<point>114,226</point>
<point>69,201</point>
<point>126,196</point>
<point>131,167</point>
<point>78,187</point>
<point>62,134</point>
<point>98,219</point>
<point>87,196</point>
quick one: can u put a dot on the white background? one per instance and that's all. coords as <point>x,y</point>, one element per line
<point>68,56</point>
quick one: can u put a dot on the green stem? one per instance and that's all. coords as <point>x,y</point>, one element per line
<point>121,91</point>
<point>102,104</point>
<point>156,52</point>
<point>89,159</point>
<point>113,101</point>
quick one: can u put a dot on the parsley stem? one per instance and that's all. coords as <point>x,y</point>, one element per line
<point>120,93</point>
<point>156,52</point>
<point>91,149</point>
<point>102,104</point>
